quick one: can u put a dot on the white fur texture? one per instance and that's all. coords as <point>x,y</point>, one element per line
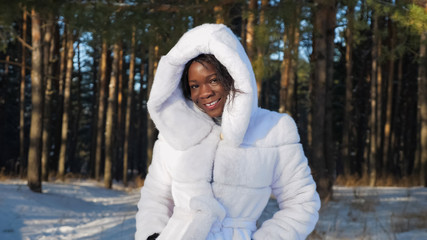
<point>202,187</point>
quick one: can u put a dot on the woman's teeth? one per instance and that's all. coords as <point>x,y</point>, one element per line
<point>212,103</point>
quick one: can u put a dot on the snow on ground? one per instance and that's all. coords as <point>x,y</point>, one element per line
<point>81,210</point>
<point>374,213</point>
<point>85,210</point>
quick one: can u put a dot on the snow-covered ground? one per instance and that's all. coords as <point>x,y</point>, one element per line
<point>85,210</point>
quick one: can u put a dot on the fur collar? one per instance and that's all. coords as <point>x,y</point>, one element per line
<point>183,125</point>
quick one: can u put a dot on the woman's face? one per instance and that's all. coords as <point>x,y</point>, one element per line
<point>206,90</point>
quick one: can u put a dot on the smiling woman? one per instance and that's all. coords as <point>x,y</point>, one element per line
<point>219,157</point>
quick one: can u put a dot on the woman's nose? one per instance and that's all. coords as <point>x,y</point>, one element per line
<point>206,91</point>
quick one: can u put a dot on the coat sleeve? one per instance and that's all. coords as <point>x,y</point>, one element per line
<point>295,191</point>
<point>156,204</point>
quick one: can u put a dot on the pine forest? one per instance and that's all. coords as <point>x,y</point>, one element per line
<point>75,77</point>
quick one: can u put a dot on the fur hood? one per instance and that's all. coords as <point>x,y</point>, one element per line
<point>180,122</point>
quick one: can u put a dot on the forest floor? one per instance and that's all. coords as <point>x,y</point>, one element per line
<point>85,210</point>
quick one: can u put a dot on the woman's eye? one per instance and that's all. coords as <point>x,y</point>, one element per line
<point>194,86</point>
<point>214,81</point>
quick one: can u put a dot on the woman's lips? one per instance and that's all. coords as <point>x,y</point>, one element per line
<point>212,105</point>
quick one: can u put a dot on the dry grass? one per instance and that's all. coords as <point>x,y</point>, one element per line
<point>408,221</point>
<point>139,181</point>
<point>387,181</point>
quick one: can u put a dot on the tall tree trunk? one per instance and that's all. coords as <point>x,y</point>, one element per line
<point>109,125</point>
<point>22,157</point>
<point>143,123</point>
<point>250,29</point>
<point>120,118</point>
<point>101,108</point>
<point>397,116</point>
<point>284,76</point>
<point>67,104</point>
<point>348,111</point>
<point>95,105</point>
<point>330,148</point>
<point>129,108</point>
<point>289,64</point>
<point>422,106</point>
<point>60,103</point>
<point>389,104</point>
<point>47,51</point>
<point>34,161</point>
<point>323,23</point>
<point>293,69</point>
<point>373,143</point>
<point>75,165</point>
<point>260,48</point>
<point>379,108</point>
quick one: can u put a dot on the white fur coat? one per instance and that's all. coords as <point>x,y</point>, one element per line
<point>213,182</point>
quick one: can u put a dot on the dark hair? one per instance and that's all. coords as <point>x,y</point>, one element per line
<point>223,76</point>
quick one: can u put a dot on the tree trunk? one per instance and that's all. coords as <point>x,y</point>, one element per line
<point>397,116</point>
<point>289,64</point>
<point>74,161</point>
<point>22,157</point>
<point>109,125</point>
<point>34,161</point>
<point>47,52</point>
<point>95,105</point>
<point>284,76</point>
<point>389,104</point>
<point>120,118</point>
<point>67,104</point>
<point>142,124</point>
<point>330,148</point>
<point>261,42</point>
<point>422,106</point>
<point>60,103</point>
<point>348,111</point>
<point>250,29</point>
<point>373,142</point>
<point>322,61</point>
<point>129,108</point>
<point>101,109</point>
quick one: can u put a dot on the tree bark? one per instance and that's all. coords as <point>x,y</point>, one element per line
<point>143,124</point>
<point>373,142</point>
<point>284,76</point>
<point>422,106</point>
<point>74,160</point>
<point>389,104</point>
<point>60,103</point>
<point>101,109</point>
<point>22,157</point>
<point>289,64</point>
<point>47,52</point>
<point>250,29</point>
<point>129,97</point>
<point>34,161</point>
<point>95,105</point>
<point>348,110</point>
<point>109,125</point>
<point>119,135</point>
<point>323,23</point>
<point>67,104</point>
